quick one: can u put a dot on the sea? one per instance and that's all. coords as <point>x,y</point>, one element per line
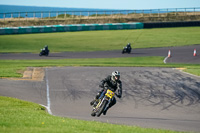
<point>6,10</point>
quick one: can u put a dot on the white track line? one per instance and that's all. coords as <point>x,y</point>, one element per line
<point>48,97</point>
<point>180,70</point>
<point>165,59</point>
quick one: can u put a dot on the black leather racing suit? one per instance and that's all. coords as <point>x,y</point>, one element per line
<point>114,86</point>
<point>46,49</point>
<point>128,47</point>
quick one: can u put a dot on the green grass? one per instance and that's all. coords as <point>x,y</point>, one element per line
<point>23,117</point>
<point>100,40</point>
<point>9,68</point>
<point>17,116</point>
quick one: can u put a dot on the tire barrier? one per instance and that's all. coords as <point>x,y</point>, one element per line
<point>69,28</point>
<point>171,24</point>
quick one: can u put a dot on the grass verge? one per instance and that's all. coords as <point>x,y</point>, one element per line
<point>19,116</point>
<point>10,68</point>
<point>100,40</point>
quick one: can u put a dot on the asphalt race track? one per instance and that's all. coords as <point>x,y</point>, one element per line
<point>163,98</point>
<point>179,54</point>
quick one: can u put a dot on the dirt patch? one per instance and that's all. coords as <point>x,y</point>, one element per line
<point>31,73</point>
<point>180,68</point>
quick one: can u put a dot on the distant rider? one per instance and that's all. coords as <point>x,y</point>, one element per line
<point>46,49</point>
<point>129,46</point>
<point>113,83</point>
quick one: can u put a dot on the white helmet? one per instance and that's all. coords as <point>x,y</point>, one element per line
<point>115,75</point>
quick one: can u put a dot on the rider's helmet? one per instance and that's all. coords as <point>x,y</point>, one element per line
<point>115,75</point>
<point>129,44</point>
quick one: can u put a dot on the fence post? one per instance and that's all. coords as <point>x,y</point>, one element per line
<point>19,15</point>
<point>150,12</point>
<point>167,12</point>
<point>185,12</point>
<point>142,13</point>
<point>41,15</point>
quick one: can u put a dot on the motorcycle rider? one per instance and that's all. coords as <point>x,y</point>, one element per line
<point>129,46</point>
<point>45,49</point>
<point>113,83</point>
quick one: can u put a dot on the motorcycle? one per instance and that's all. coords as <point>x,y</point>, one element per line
<point>126,50</point>
<point>43,52</point>
<point>102,102</point>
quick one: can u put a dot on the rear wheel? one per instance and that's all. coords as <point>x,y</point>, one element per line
<point>101,109</point>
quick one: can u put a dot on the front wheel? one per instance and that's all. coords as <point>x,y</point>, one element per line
<point>93,114</point>
<point>101,109</point>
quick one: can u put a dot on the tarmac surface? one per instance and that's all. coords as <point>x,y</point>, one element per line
<point>163,98</point>
<point>178,54</point>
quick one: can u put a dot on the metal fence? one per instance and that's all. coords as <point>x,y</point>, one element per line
<point>13,19</point>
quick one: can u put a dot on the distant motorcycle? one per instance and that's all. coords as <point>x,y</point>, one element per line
<point>126,50</point>
<point>44,52</point>
<point>102,103</point>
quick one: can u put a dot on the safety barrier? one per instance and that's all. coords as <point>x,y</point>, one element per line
<point>69,28</point>
<point>171,24</point>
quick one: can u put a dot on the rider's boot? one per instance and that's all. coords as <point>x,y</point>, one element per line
<point>105,111</point>
<point>93,102</point>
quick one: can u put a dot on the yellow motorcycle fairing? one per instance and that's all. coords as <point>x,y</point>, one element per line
<point>110,94</point>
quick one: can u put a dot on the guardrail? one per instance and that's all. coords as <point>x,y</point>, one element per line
<point>103,13</point>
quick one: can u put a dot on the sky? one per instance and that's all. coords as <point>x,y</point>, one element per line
<point>107,4</point>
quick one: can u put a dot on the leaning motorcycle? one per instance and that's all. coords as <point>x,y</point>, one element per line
<point>126,50</point>
<point>43,52</point>
<point>102,102</point>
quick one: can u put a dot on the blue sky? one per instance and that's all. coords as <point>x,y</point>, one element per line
<point>107,4</point>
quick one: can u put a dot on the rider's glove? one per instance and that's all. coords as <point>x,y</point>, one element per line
<point>101,86</point>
